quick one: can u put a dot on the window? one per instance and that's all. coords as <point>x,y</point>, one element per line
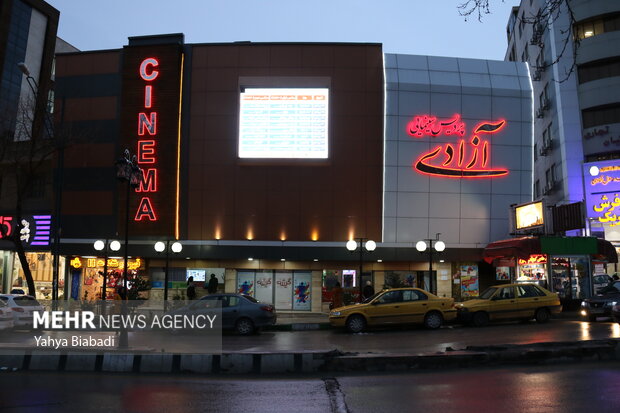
<point>601,115</point>
<point>535,152</point>
<point>525,56</point>
<point>521,25</point>
<point>391,297</point>
<point>549,177</point>
<point>413,295</point>
<point>599,70</point>
<point>543,98</point>
<point>505,293</point>
<point>595,27</point>
<point>537,189</point>
<point>527,291</point>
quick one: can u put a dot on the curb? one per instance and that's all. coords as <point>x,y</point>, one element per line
<point>313,361</point>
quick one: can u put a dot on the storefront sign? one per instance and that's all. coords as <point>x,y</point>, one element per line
<point>502,273</point>
<point>602,187</point>
<point>601,139</point>
<point>151,123</point>
<point>34,230</point>
<point>534,259</point>
<point>245,284</point>
<point>264,286</point>
<point>458,159</point>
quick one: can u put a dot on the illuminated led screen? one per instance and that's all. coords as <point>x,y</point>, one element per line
<point>283,123</point>
<point>530,215</point>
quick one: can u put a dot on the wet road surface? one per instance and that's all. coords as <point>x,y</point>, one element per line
<point>402,340</point>
<point>561,388</point>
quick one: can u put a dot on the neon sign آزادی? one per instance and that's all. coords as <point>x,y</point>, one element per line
<point>147,125</point>
<point>454,163</point>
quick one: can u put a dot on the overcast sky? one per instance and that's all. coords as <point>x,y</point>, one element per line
<point>427,27</point>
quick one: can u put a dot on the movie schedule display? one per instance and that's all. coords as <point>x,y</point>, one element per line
<point>283,123</point>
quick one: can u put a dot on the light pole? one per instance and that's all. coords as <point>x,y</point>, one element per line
<point>105,246</point>
<point>369,245</point>
<point>127,170</point>
<point>160,247</point>
<point>439,247</point>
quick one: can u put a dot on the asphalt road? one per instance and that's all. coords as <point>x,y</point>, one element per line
<point>566,388</point>
<point>402,340</point>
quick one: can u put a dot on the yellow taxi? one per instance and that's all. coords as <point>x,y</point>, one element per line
<point>510,301</point>
<point>395,306</point>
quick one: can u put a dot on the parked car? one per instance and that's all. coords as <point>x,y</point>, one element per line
<point>22,307</point>
<point>601,304</point>
<point>6,316</point>
<point>241,313</point>
<point>615,312</point>
<point>600,281</point>
<point>510,301</point>
<point>395,306</point>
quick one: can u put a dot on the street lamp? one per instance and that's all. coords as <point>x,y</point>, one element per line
<point>176,247</point>
<point>100,245</point>
<point>370,246</point>
<point>439,247</point>
<point>127,170</point>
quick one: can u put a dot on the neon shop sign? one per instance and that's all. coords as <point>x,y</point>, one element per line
<point>147,135</point>
<point>34,230</point>
<point>465,158</point>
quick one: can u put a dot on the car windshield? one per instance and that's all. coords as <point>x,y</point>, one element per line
<point>26,301</point>
<point>600,279</point>
<point>372,297</point>
<point>488,293</point>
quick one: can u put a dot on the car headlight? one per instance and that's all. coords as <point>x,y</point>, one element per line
<point>585,304</point>
<point>334,313</point>
<point>610,303</point>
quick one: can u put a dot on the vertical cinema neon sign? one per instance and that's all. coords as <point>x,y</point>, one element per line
<point>147,141</point>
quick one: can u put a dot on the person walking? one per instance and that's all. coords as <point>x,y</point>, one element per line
<point>191,289</point>
<point>368,290</point>
<point>337,296</point>
<point>212,286</point>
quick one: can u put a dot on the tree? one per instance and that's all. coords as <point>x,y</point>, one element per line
<point>542,21</point>
<point>27,148</point>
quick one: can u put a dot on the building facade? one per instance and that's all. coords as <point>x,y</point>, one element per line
<point>574,67</point>
<point>264,159</point>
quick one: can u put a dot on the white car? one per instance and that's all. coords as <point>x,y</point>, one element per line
<point>22,308</point>
<point>6,316</point>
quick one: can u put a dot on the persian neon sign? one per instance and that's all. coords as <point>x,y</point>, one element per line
<point>459,159</point>
<point>147,144</point>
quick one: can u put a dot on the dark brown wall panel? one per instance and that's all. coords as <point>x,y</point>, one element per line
<point>327,201</point>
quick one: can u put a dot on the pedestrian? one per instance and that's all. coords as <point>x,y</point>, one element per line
<point>337,296</point>
<point>212,286</point>
<point>191,289</point>
<point>368,291</point>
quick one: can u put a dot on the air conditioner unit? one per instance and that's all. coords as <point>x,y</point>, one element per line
<point>547,144</point>
<point>540,113</point>
<point>546,104</point>
<point>542,151</point>
<point>536,75</point>
<point>548,188</point>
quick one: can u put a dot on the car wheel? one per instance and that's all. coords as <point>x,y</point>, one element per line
<point>591,318</point>
<point>244,326</point>
<point>542,315</point>
<point>433,320</point>
<point>480,319</point>
<point>356,324</point>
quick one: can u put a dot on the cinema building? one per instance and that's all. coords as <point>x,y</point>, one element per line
<point>264,159</point>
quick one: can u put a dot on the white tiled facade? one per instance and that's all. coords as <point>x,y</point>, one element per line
<point>469,213</point>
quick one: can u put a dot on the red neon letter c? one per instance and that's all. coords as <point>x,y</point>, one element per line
<point>144,66</point>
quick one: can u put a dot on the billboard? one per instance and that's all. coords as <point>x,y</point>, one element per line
<point>602,191</point>
<point>283,123</point>
<point>529,216</point>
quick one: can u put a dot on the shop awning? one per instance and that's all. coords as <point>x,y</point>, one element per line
<point>525,246</point>
<point>515,247</point>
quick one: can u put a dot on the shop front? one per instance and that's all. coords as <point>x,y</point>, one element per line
<point>565,265</point>
<point>86,278</point>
